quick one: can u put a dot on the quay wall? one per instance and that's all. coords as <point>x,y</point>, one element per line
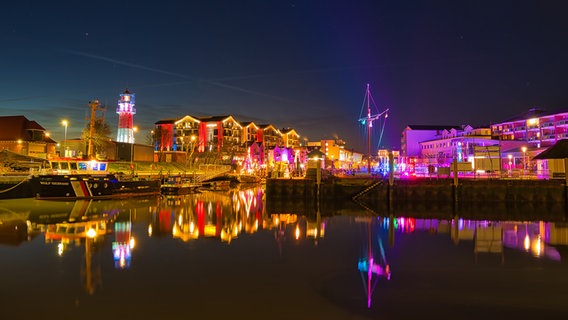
<point>503,199</point>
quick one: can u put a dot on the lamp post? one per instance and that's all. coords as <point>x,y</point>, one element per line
<point>188,154</point>
<point>510,156</point>
<point>134,129</point>
<point>524,149</point>
<point>65,123</point>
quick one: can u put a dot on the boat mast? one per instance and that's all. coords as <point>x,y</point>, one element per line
<point>368,122</point>
<point>369,126</point>
<point>94,105</point>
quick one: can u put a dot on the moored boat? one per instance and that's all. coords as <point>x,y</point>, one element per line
<point>176,185</point>
<point>88,180</point>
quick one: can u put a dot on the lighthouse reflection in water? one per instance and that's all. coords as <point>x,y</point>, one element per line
<point>231,248</point>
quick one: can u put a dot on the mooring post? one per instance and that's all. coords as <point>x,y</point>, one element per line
<point>566,187</point>
<point>391,180</point>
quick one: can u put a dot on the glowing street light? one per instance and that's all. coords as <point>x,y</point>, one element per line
<point>65,123</point>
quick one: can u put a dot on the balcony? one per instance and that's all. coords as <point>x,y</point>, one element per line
<point>562,123</point>
<point>547,124</point>
<point>523,128</point>
<point>548,137</point>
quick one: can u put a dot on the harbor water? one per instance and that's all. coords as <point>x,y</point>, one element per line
<point>226,254</point>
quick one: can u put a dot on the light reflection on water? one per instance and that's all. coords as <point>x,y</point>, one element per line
<point>218,254</point>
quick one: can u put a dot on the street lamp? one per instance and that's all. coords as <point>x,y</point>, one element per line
<point>188,153</point>
<point>65,123</point>
<point>134,130</point>
<point>524,149</point>
<point>510,156</point>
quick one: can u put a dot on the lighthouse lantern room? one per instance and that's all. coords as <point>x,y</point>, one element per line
<point>126,113</point>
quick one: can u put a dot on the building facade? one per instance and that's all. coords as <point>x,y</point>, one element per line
<point>25,137</point>
<point>412,135</point>
<point>537,127</point>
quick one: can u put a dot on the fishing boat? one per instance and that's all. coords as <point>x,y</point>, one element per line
<point>76,179</point>
<point>177,185</point>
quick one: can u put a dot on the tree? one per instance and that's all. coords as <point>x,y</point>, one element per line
<point>162,141</point>
<point>101,136</point>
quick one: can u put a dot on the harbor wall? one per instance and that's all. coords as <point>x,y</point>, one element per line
<point>495,199</point>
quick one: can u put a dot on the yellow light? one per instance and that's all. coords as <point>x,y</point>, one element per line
<point>527,242</point>
<point>150,230</point>
<point>532,121</point>
<point>297,232</point>
<point>91,233</point>
<point>132,243</point>
<point>60,249</point>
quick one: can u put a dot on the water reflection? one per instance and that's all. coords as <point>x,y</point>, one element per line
<point>127,234</point>
<point>209,214</point>
<point>373,262</point>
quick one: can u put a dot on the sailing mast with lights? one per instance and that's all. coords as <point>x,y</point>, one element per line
<point>367,121</point>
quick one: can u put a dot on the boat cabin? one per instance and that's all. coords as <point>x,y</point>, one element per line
<point>77,167</point>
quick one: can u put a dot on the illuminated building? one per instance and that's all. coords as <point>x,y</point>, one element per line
<point>536,127</point>
<point>455,144</point>
<point>173,139</point>
<point>218,132</point>
<point>269,135</point>
<point>126,113</point>
<point>290,138</point>
<point>412,135</point>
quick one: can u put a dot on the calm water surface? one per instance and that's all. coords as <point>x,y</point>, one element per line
<point>222,255</point>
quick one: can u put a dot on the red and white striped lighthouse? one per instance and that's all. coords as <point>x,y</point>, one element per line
<point>126,113</point>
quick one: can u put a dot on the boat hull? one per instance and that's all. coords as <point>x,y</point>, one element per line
<point>90,187</point>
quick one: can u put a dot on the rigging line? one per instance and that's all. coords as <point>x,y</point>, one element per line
<point>13,187</point>
<point>373,102</point>
<point>382,250</point>
<point>382,131</point>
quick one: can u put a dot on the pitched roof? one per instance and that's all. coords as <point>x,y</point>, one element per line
<point>213,118</point>
<point>557,151</point>
<point>15,127</point>
<point>534,113</point>
<point>166,121</point>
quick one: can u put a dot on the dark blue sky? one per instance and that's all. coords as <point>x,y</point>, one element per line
<point>303,64</point>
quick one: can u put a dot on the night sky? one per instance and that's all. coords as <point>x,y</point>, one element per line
<point>300,64</point>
